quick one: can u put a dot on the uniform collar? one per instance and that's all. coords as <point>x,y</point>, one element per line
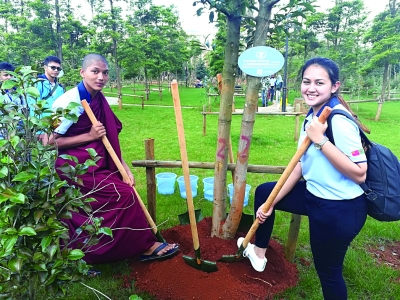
<point>83,93</point>
<point>331,103</point>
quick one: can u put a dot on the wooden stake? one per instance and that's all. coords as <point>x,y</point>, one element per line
<point>290,248</point>
<point>151,180</point>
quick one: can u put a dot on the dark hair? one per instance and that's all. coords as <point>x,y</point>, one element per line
<point>50,59</point>
<point>334,75</point>
<point>5,66</point>
<point>88,59</point>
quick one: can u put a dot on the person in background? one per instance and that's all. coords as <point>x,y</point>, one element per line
<point>116,201</point>
<point>278,87</point>
<point>49,88</point>
<point>11,97</point>
<point>330,194</point>
<point>272,82</point>
<point>264,88</point>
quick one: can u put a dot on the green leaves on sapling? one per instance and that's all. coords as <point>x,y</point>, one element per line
<point>75,254</point>
<point>34,201</point>
<point>3,172</point>
<point>29,231</point>
<point>8,84</point>
<point>23,176</point>
<point>33,92</point>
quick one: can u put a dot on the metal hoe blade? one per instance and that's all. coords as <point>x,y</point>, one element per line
<point>200,264</point>
<point>233,258</point>
<point>184,218</point>
<point>245,222</point>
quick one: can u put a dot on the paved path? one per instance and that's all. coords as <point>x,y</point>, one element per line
<point>112,100</point>
<point>271,108</point>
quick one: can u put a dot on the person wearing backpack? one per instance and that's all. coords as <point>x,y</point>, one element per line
<point>323,186</point>
<point>49,88</point>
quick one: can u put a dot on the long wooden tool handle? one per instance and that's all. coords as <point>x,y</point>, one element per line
<point>288,170</point>
<point>185,163</point>
<point>119,165</point>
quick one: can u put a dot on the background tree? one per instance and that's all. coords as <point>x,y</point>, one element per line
<point>385,38</point>
<point>201,70</point>
<point>155,28</point>
<point>216,55</point>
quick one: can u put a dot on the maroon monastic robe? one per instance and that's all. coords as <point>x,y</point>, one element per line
<point>116,201</point>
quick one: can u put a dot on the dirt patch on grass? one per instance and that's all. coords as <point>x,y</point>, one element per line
<point>387,254</point>
<point>174,279</point>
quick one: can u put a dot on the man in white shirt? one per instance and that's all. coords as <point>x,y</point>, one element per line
<point>272,82</point>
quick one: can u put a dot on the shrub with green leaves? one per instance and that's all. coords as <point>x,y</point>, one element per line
<point>34,202</point>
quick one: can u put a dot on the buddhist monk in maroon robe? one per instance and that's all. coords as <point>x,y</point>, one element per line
<point>115,201</point>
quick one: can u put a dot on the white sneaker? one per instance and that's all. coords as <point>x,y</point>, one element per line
<point>257,263</point>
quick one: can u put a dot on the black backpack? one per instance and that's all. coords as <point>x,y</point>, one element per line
<point>382,186</point>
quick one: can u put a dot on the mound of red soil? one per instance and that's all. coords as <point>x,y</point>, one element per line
<point>174,279</point>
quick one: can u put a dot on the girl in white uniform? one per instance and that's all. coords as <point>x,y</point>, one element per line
<point>329,194</point>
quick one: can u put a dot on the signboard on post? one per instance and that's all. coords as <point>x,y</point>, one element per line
<point>261,61</point>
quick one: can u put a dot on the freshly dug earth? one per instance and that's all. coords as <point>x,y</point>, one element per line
<point>174,279</point>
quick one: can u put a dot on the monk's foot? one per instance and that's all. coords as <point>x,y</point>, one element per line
<point>159,250</point>
<point>162,250</point>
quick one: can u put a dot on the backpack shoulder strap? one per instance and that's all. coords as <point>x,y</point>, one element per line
<point>364,138</point>
<point>342,112</point>
<point>51,91</point>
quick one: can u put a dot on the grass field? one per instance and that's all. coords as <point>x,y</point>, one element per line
<point>272,144</point>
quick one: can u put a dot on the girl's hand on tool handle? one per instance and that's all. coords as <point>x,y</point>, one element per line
<point>130,175</point>
<point>263,216</point>
<point>97,131</point>
<point>316,129</point>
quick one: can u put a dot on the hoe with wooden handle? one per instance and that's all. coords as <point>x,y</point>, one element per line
<point>197,262</point>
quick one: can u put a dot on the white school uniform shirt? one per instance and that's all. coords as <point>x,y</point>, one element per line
<point>62,102</point>
<point>323,180</point>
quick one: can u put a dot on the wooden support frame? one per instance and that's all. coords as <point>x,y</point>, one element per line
<point>209,100</point>
<point>205,165</point>
<point>150,166</point>
<point>130,95</point>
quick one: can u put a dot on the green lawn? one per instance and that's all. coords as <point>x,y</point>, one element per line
<point>189,96</point>
<point>272,144</point>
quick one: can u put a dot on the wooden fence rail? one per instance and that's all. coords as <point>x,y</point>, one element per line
<point>205,165</point>
<point>130,95</point>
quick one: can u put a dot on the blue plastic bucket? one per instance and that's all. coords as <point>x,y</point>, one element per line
<point>209,188</point>
<point>246,193</point>
<point>165,183</point>
<point>193,185</point>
